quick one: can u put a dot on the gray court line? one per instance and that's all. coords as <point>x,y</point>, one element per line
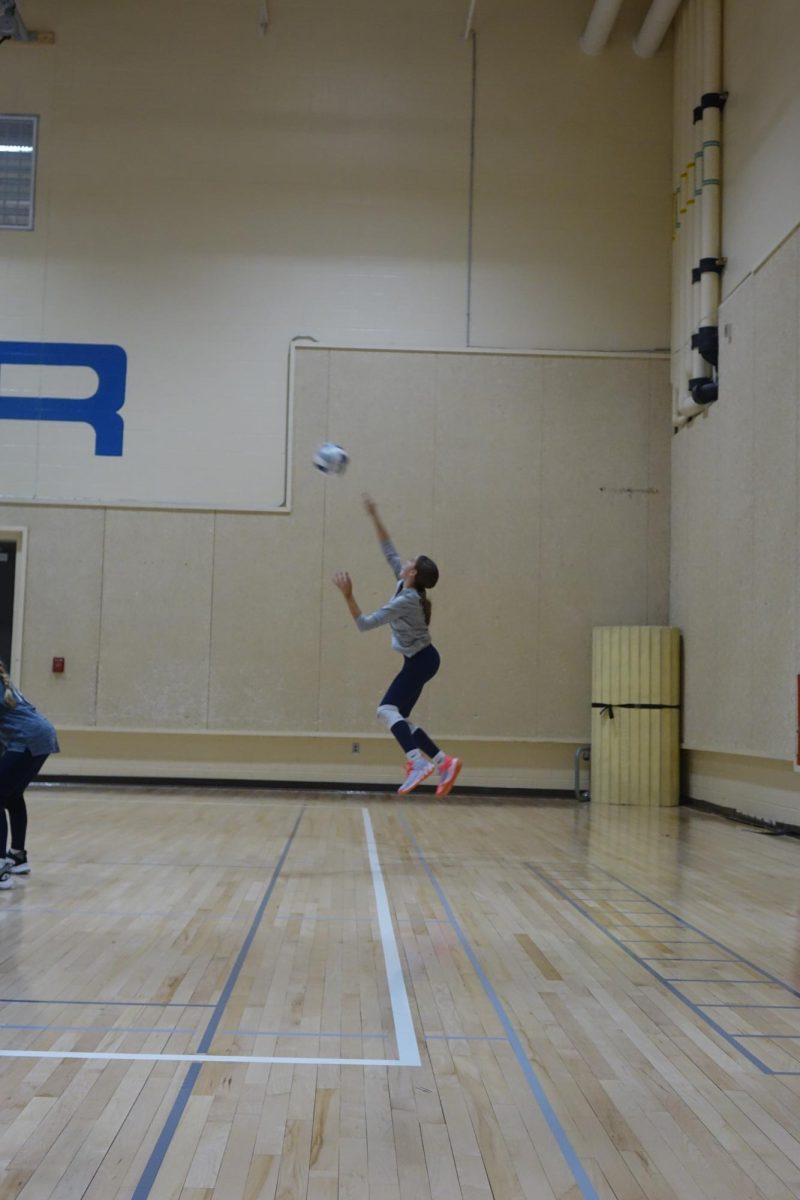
<point>106,1003</point>
<point>676,959</point>
<point>312,917</point>
<point>511,1037</point>
<point>692,979</point>
<point>169,1129</point>
<point>677,941</point>
<point>408,1051</point>
<point>744,1004</point>
<point>65,911</point>
<point>639,924</point>
<point>277,1033</point>
<point>368,920</point>
<point>461,1037</point>
<point>707,936</point>
<point>293,1033</point>
<point>669,984</point>
<point>171,864</point>
<point>170,1029</point>
<point>56,792</point>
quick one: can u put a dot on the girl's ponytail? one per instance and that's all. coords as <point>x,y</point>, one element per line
<point>427,577</point>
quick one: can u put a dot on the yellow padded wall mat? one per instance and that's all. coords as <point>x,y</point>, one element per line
<point>636,715</point>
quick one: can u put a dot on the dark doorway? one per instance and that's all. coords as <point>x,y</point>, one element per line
<point>8,568</point>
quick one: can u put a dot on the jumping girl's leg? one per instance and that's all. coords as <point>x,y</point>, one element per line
<point>395,708</point>
<point>423,742</point>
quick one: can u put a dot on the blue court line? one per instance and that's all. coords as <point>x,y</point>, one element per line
<point>611,906</point>
<point>600,893</point>
<point>460,1037</point>
<point>744,1004</point>
<point>707,937</point>
<point>153,1165</point>
<point>104,1003</point>
<point>312,917</point>
<point>166,862</point>
<point>642,926</point>
<point>691,979</point>
<point>556,1128</point>
<point>678,941</point>
<point>109,912</point>
<point>170,1029</point>
<point>367,920</point>
<point>667,983</point>
<point>425,920</point>
<point>293,1033</point>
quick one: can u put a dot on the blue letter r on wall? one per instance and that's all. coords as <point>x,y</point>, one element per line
<point>101,410</point>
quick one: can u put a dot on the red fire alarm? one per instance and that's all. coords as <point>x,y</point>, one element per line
<point>58,666</point>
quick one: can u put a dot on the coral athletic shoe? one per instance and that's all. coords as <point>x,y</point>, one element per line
<point>448,774</point>
<point>417,771</point>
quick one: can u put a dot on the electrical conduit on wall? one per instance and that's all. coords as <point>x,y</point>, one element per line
<point>696,208</point>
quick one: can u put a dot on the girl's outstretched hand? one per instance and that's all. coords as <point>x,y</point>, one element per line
<point>372,509</point>
<point>344,583</point>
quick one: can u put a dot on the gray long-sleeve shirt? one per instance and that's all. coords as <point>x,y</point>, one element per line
<point>403,613</point>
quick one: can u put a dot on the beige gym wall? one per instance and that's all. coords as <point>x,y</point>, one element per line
<point>735,490</point>
<point>761,44</point>
<point>205,195</point>
<point>539,483</point>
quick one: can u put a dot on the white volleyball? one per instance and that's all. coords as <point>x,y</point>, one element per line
<point>331,459</point>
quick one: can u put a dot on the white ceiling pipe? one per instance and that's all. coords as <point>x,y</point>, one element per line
<point>599,26</point>
<point>654,27</point>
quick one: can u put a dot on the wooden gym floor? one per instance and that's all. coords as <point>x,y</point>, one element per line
<point>241,996</point>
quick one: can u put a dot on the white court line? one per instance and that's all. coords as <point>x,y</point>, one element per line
<point>208,1058</point>
<point>408,1049</point>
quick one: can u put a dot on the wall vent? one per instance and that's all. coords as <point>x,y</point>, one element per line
<point>17,171</point>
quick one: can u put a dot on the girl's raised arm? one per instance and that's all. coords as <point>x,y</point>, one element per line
<point>380,528</point>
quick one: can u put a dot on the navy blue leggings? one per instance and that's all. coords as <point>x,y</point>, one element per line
<point>17,769</point>
<point>405,690</point>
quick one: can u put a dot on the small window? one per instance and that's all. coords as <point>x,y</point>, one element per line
<point>17,171</point>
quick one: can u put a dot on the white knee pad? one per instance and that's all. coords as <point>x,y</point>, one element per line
<point>389,715</point>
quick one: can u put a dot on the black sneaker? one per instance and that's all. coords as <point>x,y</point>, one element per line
<point>17,862</point>
<point>6,881</point>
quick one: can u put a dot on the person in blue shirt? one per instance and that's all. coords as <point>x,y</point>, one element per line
<point>26,738</point>
<point>408,615</point>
